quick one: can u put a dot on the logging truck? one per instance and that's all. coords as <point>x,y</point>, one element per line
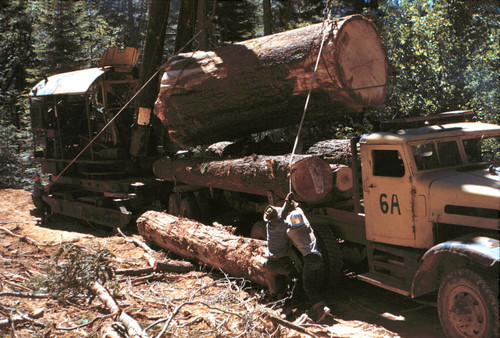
<point>417,202</point>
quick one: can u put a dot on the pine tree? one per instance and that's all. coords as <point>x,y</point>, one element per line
<point>15,56</point>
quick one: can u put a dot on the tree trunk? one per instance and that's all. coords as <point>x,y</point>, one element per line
<point>262,84</point>
<point>202,25</point>
<point>258,174</point>
<point>153,52</point>
<point>236,256</point>
<point>266,4</point>
<point>185,25</point>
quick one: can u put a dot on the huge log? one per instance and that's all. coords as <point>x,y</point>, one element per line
<point>311,177</point>
<point>334,151</point>
<point>213,246</point>
<point>261,84</point>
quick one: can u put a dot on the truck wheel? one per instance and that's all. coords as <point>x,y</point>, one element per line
<point>468,305</point>
<point>259,230</point>
<point>189,208</point>
<point>330,250</point>
<point>173,205</point>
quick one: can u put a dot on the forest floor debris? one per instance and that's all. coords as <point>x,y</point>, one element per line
<point>199,302</point>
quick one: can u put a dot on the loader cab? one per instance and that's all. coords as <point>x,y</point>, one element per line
<point>70,109</point>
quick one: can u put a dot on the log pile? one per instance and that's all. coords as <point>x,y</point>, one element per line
<point>261,84</point>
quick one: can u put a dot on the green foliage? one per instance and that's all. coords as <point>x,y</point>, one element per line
<point>15,56</point>
<point>235,20</point>
<point>443,56</point>
<point>74,270</point>
<point>293,14</point>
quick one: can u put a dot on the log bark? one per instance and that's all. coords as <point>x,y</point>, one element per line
<point>312,178</point>
<point>236,256</point>
<point>261,84</point>
<point>335,151</point>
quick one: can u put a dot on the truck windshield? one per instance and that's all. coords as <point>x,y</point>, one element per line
<point>482,149</point>
<point>436,155</point>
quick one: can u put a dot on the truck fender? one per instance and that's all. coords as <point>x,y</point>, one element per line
<point>478,251</point>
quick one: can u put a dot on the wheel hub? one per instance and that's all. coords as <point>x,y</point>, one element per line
<point>467,312</point>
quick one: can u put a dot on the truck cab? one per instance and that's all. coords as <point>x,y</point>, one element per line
<point>416,181</point>
<point>431,203</point>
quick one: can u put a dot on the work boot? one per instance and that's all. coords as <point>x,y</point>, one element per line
<point>318,311</point>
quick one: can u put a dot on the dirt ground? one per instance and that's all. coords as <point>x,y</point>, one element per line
<point>197,303</point>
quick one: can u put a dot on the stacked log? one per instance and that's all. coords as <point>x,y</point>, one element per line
<point>261,84</point>
<point>311,177</point>
<point>335,151</point>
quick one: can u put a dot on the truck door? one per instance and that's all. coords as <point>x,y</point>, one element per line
<point>387,192</point>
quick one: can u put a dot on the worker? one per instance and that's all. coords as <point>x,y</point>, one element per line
<point>38,191</point>
<point>278,246</point>
<point>289,226</point>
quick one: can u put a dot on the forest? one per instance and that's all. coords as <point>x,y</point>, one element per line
<point>443,55</point>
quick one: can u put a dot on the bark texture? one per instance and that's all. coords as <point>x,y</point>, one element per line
<point>312,178</point>
<point>261,84</point>
<point>213,246</point>
<point>335,151</point>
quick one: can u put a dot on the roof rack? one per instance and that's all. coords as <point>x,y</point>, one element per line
<point>423,121</point>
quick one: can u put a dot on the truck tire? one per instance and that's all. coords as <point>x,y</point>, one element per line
<point>468,305</point>
<point>204,205</point>
<point>189,208</point>
<point>330,250</point>
<point>173,205</point>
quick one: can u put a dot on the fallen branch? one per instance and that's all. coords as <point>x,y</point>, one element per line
<point>168,266</point>
<point>18,319</point>
<point>149,253</point>
<point>21,237</point>
<point>25,294</point>
<point>146,278</point>
<point>169,319</point>
<point>290,325</point>
<point>86,324</point>
<point>133,328</point>
<point>18,286</point>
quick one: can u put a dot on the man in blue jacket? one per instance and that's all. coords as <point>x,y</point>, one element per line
<point>289,226</point>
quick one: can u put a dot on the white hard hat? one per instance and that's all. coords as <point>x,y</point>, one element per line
<point>296,218</point>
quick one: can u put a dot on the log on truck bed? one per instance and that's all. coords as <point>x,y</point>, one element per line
<point>262,84</point>
<point>311,177</point>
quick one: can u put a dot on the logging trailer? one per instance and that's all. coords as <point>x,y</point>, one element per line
<point>419,201</point>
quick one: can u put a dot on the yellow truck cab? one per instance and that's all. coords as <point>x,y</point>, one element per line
<point>431,204</point>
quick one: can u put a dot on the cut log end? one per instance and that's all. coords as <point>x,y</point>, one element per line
<point>362,61</point>
<point>311,179</point>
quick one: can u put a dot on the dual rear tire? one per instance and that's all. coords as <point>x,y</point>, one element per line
<point>183,207</point>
